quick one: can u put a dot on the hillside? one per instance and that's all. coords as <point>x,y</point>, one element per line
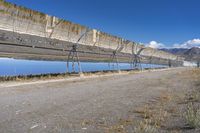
<point>192,54</point>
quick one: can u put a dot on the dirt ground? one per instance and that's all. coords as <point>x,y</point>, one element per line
<point>109,104</point>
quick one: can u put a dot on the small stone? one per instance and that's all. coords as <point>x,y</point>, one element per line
<point>34,126</point>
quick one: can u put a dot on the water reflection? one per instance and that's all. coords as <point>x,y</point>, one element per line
<point>13,67</point>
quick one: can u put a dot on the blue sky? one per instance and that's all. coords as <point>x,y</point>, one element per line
<point>160,23</point>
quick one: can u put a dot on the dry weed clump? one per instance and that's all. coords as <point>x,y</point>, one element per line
<point>192,116</point>
<point>119,128</point>
<point>193,96</point>
<point>145,112</point>
<point>145,126</point>
<point>192,100</point>
<point>153,116</point>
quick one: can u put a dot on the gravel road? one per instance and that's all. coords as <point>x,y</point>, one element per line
<point>83,105</point>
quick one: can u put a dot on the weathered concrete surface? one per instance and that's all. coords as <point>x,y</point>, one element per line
<point>83,105</point>
<point>61,34</point>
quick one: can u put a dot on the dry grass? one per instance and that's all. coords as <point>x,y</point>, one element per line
<point>31,77</point>
<point>192,96</point>
<point>145,126</point>
<point>120,126</point>
<point>192,116</point>
<point>153,115</point>
<point>144,111</point>
<point>116,129</point>
<point>192,101</point>
<point>60,75</point>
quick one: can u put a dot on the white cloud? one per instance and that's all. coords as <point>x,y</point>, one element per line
<point>188,44</point>
<point>154,44</point>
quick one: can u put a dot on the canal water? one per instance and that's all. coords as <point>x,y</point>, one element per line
<point>13,67</point>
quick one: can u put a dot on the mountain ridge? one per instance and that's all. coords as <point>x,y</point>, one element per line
<point>192,54</point>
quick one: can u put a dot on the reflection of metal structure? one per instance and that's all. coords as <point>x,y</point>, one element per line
<point>151,58</point>
<point>73,55</point>
<point>136,57</point>
<point>137,61</point>
<point>114,58</point>
<point>169,63</point>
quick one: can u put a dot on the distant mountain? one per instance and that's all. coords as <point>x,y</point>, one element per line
<point>192,54</point>
<point>176,51</point>
<point>193,51</point>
